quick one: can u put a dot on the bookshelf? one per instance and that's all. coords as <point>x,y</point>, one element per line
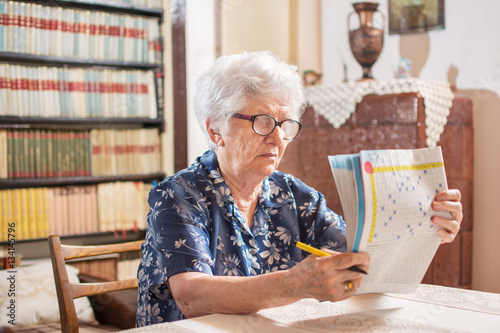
<point>81,85</point>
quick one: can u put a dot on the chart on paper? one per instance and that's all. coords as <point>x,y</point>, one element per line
<point>401,196</point>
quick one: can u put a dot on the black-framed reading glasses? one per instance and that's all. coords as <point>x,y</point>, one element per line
<point>264,124</point>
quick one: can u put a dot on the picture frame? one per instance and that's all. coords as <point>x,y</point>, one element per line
<point>415,16</point>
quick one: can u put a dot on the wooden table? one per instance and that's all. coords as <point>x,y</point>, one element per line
<point>430,309</point>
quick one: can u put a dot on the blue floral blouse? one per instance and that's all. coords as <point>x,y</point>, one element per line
<point>195,226</point>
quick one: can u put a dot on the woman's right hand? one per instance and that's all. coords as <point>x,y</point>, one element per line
<point>328,278</point>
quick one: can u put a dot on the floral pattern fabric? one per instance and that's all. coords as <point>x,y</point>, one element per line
<point>195,226</point>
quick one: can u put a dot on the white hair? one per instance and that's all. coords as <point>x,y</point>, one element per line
<point>233,80</point>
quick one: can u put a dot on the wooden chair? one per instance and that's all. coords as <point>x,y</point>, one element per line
<point>67,291</point>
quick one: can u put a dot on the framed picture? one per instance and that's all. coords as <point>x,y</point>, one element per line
<point>411,16</point>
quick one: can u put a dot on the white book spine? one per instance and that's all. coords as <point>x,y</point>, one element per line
<point>121,38</point>
<point>58,33</point>
<point>4,91</point>
<point>3,6</point>
<point>18,92</point>
<point>31,105</point>
<point>104,94</point>
<point>127,38</point>
<point>106,36</point>
<point>21,30</point>
<point>37,92</point>
<point>56,100</point>
<point>10,27</point>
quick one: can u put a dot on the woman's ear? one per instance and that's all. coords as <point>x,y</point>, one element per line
<point>214,135</point>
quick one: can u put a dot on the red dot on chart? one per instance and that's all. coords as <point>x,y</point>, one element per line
<point>368,167</point>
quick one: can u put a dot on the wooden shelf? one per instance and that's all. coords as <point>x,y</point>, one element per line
<point>71,181</point>
<point>79,123</point>
<point>107,6</point>
<point>47,60</point>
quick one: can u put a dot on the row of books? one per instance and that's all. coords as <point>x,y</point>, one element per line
<point>127,269</point>
<point>143,3</point>
<point>103,266</point>
<point>33,153</point>
<point>122,205</point>
<point>44,153</point>
<point>107,267</point>
<point>31,91</point>
<point>32,213</point>
<point>123,152</point>
<point>56,31</point>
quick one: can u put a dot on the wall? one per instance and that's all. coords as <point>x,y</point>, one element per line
<point>466,53</point>
<point>200,55</point>
<point>167,137</point>
<point>247,25</point>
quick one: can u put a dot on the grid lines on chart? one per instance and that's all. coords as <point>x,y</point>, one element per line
<point>402,196</point>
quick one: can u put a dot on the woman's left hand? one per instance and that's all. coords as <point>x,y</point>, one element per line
<point>448,201</point>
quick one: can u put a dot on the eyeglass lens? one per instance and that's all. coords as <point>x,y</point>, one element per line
<point>264,125</point>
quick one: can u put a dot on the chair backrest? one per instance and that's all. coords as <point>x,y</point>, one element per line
<point>67,291</point>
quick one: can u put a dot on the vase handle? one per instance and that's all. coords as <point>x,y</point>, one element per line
<point>376,11</point>
<point>349,21</point>
<point>383,18</point>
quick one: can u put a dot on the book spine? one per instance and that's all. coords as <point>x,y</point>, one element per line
<point>42,212</point>
<point>25,154</point>
<point>93,210</point>
<point>57,209</point>
<point>4,85</point>
<point>55,91</point>
<point>16,213</point>
<point>32,105</point>
<point>31,153</point>
<point>8,210</point>
<point>71,228</point>
<point>51,204</point>
<point>44,154</point>
<point>33,219</point>
<point>3,154</point>
<point>73,153</point>
<point>25,215</point>
<point>64,214</point>
<point>95,152</point>
<point>101,207</point>
<point>2,24</point>
<point>85,209</point>
<point>86,154</point>
<point>3,215</point>
<point>18,152</point>
<point>58,153</point>
<point>10,154</point>
<point>38,153</point>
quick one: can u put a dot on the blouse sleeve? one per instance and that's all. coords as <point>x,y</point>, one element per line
<point>177,239</point>
<point>321,227</point>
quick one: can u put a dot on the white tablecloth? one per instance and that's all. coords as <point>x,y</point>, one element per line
<point>429,309</point>
<point>337,102</point>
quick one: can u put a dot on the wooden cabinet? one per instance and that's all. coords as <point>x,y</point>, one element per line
<point>390,122</point>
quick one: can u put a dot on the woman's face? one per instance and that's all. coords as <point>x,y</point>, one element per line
<point>243,153</point>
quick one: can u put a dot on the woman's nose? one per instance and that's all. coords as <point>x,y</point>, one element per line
<point>276,136</point>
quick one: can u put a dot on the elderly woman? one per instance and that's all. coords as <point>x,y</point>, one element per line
<point>220,233</point>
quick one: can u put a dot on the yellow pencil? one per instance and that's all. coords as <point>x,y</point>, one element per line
<point>319,253</point>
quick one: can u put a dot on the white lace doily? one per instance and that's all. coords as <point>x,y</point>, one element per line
<point>337,102</point>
